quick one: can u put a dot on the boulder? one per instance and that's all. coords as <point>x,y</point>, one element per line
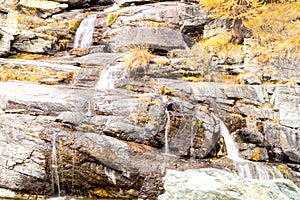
<point>29,41</point>
<point>21,154</point>
<point>151,25</point>
<point>283,141</point>
<point>38,99</point>
<point>220,184</point>
<point>196,136</point>
<point>193,20</point>
<point>150,37</point>
<point>286,101</point>
<point>42,8</point>
<point>5,42</point>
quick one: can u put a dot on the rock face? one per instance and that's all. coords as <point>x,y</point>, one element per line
<point>215,184</point>
<point>84,123</point>
<point>5,41</point>
<point>152,25</point>
<point>150,37</point>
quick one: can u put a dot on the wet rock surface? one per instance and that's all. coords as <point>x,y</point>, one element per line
<point>118,143</point>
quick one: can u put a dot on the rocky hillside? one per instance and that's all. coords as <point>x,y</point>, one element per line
<point>151,91</point>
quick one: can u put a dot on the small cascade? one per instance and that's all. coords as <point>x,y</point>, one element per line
<point>54,168</point>
<point>167,151</point>
<point>232,150</point>
<point>247,169</point>
<point>85,31</point>
<point>167,127</point>
<point>109,75</point>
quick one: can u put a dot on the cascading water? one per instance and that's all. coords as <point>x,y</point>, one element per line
<point>167,151</point>
<point>232,150</point>
<point>109,75</point>
<point>54,168</point>
<point>247,169</point>
<point>85,31</point>
<point>167,127</point>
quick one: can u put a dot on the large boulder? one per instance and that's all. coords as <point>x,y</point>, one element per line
<point>282,141</point>
<point>5,42</point>
<point>151,37</point>
<point>42,8</point>
<point>220,184</point>
<point>193,20</point>
<point>22,159</point>
<point>29,41</point>
<point>151,25</point>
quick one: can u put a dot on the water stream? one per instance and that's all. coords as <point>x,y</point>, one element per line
<point>85,31</point>
<point>167,126</point>
<point>109,75</point>
<point>246,168</point>
<point>54,168</point>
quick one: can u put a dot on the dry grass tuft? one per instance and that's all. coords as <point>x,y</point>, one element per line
<point>138,61</point>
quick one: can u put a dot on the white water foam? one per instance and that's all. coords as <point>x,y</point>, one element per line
<point>54,167</point>
<point>246,168</point>
<point>109,75</point>
<point>167,127</point>
<point>85,31</point>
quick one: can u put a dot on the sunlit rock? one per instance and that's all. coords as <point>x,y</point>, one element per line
<point>219,184</point>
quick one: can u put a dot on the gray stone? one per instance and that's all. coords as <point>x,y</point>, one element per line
<point>39,99</point>
<point>73,118</point>
<point>103,59</point>
<point>21,158</point>
<point>252,136</point>
<point>196,136</point>
<point>45,8</point>
<point>285,140</point>
<point>248,94</point>
<point>28,41</point>
<point>193,20</point>
<point>215,27</point>
<point>220,184</point>
<point>149,37</point>
<point>288,105</point>
<point>5,42</point>
<point>293,155</point>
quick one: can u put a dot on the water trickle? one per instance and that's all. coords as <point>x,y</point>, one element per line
<point>167,127</point>
<point>85,31</point>
<point>109,75</point>
<point>54,168</point>
<point>247,169</point>
<point>167,151</point>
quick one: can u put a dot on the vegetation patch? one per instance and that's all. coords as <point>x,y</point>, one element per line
<point>196,78</point>
<point>74,24</point>
<point>138,61</point>
<point>277,30</point>
<point>31,74</point>
<point>274,26</point>
<point>221,45</point>
<point>28,56</point>
<point>111,18</point>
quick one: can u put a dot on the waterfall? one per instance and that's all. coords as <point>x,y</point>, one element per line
<point>109,75</point>
<point>246,168</point>
<point>167,151</point>
<point>85,31</point>
<point>54,167</point>
<point>167,127</point>
<point>232,150</point>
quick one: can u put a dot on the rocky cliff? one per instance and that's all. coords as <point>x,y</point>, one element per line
<point>109,119</point>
